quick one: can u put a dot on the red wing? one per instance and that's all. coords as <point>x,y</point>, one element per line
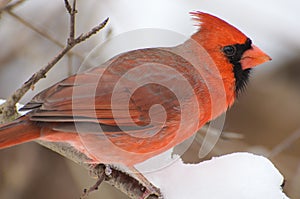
<point>77,99</point>
<point>92,96</point>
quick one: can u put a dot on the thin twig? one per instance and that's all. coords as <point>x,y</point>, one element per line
<point>68,7</point>
<point>285,144</point>
<point>8,109</point>
<point>40,32</point>
<point>93,31</point>
<point>101,178</point>
<point>72,21</point>
<point>72,13</point>
<point>11,6</point>
<point>35,29</point>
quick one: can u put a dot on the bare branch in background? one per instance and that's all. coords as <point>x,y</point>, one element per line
<point>4,5</point>
<point>8,110</point>
<point>8,9</point>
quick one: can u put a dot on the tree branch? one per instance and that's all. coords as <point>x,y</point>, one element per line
<point>8,6</point>
<point>72,12</point>
<point>128,184</point>
<point>8,110</point>
<point>8,9</point>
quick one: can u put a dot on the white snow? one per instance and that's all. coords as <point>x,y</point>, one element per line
<point>237,175</point>
<point>18,105</point>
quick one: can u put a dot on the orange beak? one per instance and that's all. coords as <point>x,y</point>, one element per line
<point>253,57</point>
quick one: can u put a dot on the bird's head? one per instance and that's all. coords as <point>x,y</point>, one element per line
<point>231,50</point>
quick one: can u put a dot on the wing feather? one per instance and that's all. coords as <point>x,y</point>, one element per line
<point>87,97</point>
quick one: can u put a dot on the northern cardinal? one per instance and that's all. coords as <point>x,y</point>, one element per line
<point>142,102</point>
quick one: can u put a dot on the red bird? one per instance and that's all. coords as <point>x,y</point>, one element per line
<point>143,102</point>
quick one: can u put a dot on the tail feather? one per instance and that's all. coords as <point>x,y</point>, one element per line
<point>17,132</point>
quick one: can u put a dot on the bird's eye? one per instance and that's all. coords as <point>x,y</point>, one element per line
<point>229,50</point>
